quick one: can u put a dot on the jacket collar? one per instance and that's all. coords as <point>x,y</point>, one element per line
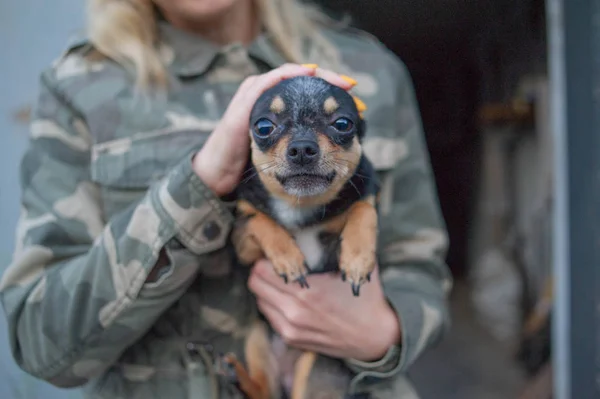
<point>191,55</point>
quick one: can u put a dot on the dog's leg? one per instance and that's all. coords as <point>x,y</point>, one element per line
<point>254,387</point>
<point>246,248</point>
<point>275,242</point>
<point>260,380</point>
<point>302,370</point>
<point>359,243</point>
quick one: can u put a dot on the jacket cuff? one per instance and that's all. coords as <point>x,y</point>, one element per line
<point>421,324</point>
<point>368,373</point>
<point>386,364</point>
<point>202,221</point>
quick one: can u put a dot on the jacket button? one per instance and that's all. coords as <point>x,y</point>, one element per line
<point>211,230</point>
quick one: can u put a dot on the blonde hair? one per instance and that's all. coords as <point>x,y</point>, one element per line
<point>126,31</point>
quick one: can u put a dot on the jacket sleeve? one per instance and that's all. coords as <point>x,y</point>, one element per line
<point>412,242</point>
<point>78,291</point>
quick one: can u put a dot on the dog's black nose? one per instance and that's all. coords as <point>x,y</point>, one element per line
<point>303,152</point>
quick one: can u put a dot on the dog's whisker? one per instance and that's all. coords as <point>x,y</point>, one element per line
<point>362,176</point>
<point>247,171</point>
<point>265,163</point>
<point>248,178</point>
<point>335,165</point>
<point>267,168</point>
<point>345,160</point>
<point>356,188</point>
<point>257,171</point>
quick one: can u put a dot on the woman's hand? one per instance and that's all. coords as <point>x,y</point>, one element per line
<point>326,317</point>
<point>221,161</point>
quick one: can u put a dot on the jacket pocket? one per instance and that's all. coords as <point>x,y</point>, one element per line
<point>124,169</point>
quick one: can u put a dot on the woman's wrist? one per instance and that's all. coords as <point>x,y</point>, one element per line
<point>204,171</point>
<point>388,334</point>
<point>208,169</point>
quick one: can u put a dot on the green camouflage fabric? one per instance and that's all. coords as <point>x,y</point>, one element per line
<point>108,195</point>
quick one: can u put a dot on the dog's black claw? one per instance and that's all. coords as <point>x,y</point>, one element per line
<point>343,275</point>
<point>302,281</point>
<point>284,277</point>
<point>369,277</point>
<point>356,289</point>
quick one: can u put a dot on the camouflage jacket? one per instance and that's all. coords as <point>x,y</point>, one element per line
<point>107,186</point>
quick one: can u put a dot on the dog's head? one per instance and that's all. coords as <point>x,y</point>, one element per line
<point>306,139</point>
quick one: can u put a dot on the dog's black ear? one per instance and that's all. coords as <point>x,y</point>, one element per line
<point>361,129</point>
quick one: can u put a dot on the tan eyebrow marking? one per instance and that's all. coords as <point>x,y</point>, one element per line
<point>277,105</point>
<point>330,105</point>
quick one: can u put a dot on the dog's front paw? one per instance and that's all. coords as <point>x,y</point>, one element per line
<point>356,265</point>
<point>291,266</point>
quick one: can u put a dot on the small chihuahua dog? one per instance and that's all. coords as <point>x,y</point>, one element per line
<point>308,204</point>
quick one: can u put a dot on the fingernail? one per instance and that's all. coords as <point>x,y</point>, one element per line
<point>349,80</point>
<point>360,106</point>
<point>313,66</point>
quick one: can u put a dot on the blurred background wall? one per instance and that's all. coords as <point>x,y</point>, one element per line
<point>462,54</point>
<point>480,74</point>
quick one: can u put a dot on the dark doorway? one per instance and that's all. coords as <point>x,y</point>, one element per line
<point>435,41</point>
<point>464,56</point>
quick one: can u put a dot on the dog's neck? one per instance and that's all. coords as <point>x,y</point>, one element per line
<point>359,186</point>
<point>292,216</point>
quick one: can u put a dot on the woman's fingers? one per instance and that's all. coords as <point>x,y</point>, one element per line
<point>252,87</point>
<point>291,332</point>
<point>291,309</point>
<point>266,81</point>
<point>274,76</point>
<point>263,271</point>
<point>267,290</point>
<point>279,322</point>
<point>345,82</point>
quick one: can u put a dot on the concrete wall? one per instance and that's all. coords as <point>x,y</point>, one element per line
<point>32,34</point>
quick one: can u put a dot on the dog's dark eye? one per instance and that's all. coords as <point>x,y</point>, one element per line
<point>342,124</point>
<point>264,127</point>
